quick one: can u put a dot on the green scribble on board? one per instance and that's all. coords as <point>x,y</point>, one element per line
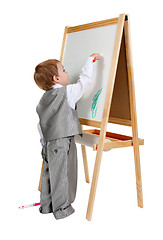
<point>94,104</point>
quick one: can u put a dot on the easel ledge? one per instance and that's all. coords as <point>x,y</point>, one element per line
<point>116,140</point>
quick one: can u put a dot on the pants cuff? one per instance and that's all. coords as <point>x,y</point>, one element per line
<point>62,213</point>
<point>45,210</point>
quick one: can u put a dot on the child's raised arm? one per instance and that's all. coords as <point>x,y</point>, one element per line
<point>75,91</point>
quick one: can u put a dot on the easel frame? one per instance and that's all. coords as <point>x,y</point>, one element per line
<point>117,140</point>
<point>123,25</point>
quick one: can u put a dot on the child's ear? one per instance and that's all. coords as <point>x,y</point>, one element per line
<point>55,79</point>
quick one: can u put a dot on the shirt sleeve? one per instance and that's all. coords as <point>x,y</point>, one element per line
<point>76,90</point>
<point>42,141</point>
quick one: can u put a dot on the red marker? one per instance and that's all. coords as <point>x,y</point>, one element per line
<point>30,205</point>
<point>94,60</point>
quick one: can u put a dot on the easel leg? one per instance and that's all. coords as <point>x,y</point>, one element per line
<point>94,184</point>
<point>138,175</point>
<point>85,163</point>
<point>133,113</point>
<point>105,116</point>
<point>39,187</point>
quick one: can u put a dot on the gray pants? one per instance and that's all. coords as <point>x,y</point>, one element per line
<point>59,178</point>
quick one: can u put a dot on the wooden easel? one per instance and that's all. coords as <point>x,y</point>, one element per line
<point>120,86</point>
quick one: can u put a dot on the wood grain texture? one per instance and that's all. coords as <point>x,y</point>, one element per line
<point>85,162</point>
<point>92,25</point>
<point>133,114</point>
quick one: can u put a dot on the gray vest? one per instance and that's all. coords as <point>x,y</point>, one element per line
<point>57,118</point>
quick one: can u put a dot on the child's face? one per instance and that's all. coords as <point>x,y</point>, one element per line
<point>62,77</point>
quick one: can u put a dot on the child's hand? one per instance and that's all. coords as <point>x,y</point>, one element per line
<point>96,55</point>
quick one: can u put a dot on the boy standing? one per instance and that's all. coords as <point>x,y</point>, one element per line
<point>58,125</point>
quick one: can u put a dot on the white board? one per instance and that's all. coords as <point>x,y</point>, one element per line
<point>80,45</point>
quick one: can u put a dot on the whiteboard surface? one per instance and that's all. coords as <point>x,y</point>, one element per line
<point>79,46</point>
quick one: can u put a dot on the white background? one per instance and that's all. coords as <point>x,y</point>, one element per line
<point>31,32</point>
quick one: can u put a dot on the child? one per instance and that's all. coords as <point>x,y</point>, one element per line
<point>58,125</point>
